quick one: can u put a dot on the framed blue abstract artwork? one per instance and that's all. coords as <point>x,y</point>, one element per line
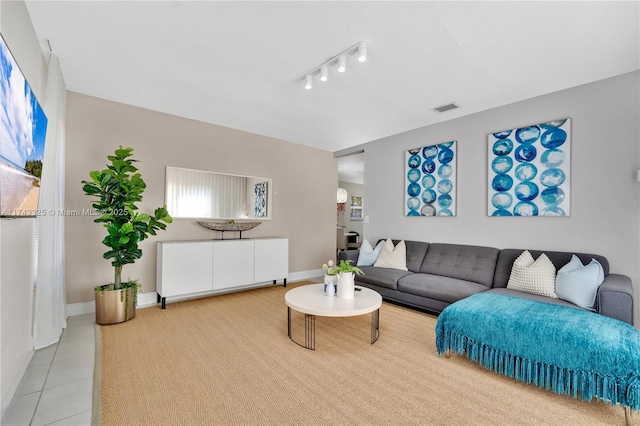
<point>530,170</point>
<point>260,198</point>
<point>430,180</point>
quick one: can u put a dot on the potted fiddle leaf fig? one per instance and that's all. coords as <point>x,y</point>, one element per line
<point>116,190</point>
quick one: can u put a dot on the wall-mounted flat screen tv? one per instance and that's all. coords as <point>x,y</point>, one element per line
<point>23,127</point>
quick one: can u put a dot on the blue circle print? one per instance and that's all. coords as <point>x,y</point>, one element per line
<point>413,213</point>
<point>445,156</point>
<point>428,181</point>
<point>526,171</point>
<point>526,191</point>
<point>552,124</point>
<point>428,196</point>
<point>502,200</point>
<point>503,147</point>
<point>445,171</point>
<point>445,186</point>
<point>413,175</point>
<point>413,190</point>
<point>528,134</point>
<point>445,145</point>
<point>501,212</point>
<point>525,208</point>
<point>445,212</point>
<point>502,135</point>
<point>553,138</point>
<point>553,211</point>
<point>501,164</point>
<point>525,153</point>
<point>502,183</point>
<point>414,151</point>
<point>428,166</point>
<point>445,201</point>
<point>552,178</point>
<point>413,203</point>
<point>552,157</point>
<point>427,210</point>
<point>552,196</point>
<point>414,161</point>
<point>430,152</point>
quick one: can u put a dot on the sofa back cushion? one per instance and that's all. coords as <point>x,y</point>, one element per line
<point>415,253</point>
<point>471,263</point>
<point>558,258</point>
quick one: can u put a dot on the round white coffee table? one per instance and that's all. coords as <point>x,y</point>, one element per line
<point>311,301</point>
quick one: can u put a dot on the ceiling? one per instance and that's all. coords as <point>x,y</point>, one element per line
<point>242,64</point>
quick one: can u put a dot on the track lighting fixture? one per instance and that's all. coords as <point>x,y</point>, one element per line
<point>340,59</point>
<point>323,73</point>
<point>362,52</point>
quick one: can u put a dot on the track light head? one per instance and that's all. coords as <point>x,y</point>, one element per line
<point>342,64</point>
<point>307,79</point>
<point>323,73</point>
<point>362,52</point>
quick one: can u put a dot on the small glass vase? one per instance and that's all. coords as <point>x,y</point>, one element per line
<point>330,285</point>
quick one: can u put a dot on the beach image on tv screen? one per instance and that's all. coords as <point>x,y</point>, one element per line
<point>23,127</point>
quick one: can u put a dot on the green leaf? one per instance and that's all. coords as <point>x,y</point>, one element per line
<point>122,153</point>
<point>126,228</point>
<point>124,240</point>
<point>142,218</point>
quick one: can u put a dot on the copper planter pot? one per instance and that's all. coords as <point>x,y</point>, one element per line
<point>113,307</point>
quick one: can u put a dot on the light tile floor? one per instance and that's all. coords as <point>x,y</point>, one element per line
<point>57,387</point>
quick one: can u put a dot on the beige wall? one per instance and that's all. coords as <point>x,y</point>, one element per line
<point>304,185</point>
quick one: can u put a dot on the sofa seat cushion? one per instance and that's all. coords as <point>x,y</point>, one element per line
<point>531,296</point>
<point>468,263</point>
<point>438,287</point>
<point>383,277</point>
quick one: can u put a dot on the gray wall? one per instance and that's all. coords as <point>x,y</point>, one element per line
<point>605,196</point>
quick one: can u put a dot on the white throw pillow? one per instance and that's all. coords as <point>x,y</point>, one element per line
<point>394,258</point>
<point>537,277</point>
<point>368,255</point>
<point>578,284</point>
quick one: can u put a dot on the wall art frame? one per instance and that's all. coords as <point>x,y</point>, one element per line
<point>431,180</point>
<point>529,170</point>
<point>260,200</point>
<point>356,208</point>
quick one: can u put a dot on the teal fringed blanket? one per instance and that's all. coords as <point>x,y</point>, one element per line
<point>566,350</point>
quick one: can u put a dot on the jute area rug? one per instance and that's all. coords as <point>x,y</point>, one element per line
<point>227,360</point>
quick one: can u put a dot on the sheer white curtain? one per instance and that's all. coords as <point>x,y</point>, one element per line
<point>50,315</point>
<point>194,193</point>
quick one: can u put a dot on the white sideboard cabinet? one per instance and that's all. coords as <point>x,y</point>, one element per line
<point>201,267</point>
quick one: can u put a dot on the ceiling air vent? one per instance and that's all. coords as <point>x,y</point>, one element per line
<point>447,107</point>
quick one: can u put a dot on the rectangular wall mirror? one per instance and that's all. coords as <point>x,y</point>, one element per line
<point>199,194</point>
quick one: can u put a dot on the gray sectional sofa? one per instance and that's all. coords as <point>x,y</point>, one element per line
<point>441,274</point>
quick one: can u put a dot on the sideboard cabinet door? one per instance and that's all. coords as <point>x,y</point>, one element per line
<point>272,259</point>
<point>232,263</point>
<point>184,268</point>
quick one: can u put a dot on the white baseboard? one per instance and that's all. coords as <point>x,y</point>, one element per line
<point>81,308</point>
<point>146,300</point>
